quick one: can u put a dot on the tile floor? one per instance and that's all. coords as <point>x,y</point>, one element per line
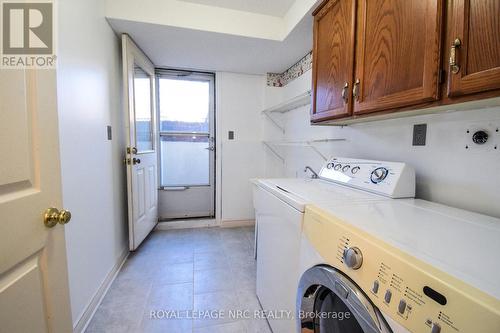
<point>188,271</point>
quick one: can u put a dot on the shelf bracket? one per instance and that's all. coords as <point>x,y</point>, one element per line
<point>316,150</point>
<point>275,153</point>
<point>282,128</point>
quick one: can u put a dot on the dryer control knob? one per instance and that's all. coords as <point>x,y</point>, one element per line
<point>353,258</point>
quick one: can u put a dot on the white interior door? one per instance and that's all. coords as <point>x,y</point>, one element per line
<point>142,154</point>
<point>34,293</point>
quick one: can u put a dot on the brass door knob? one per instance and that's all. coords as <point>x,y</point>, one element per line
<point>54,216</point>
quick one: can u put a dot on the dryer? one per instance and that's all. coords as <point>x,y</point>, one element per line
<point>400,266</point>
<point>279,210</point>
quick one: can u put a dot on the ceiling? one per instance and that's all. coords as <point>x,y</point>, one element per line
<point>194,36</point>
<point>266,7</point>
<point>177,47</point>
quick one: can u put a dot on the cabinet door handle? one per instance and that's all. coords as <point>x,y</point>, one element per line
<point>454,66</point>
<point>344,92</point>
<point>355,90</point>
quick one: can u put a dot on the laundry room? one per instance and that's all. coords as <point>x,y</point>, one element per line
<point>250,166</point>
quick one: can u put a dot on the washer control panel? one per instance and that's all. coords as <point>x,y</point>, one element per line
<point>392,179</point>
<point>412,292</point>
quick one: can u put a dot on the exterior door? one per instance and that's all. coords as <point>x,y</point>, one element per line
<point>34,294</point>
<point>474,47</point>
<point>141,156</point>
<point>397,53</point>
<point>187,144</point>
<point>333,63</point>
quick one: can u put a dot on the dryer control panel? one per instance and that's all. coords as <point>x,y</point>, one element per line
<point>415,294</point>
<point>391,179</point>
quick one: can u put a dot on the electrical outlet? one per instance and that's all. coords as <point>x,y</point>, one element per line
<point>419,134</point>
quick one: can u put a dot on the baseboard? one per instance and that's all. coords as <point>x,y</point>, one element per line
<point>203,223</point>
<point>237,223</point>
<point>185,224</point>
<point>96,300</point>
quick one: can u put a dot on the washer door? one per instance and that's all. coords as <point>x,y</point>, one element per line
<point>329,302</point>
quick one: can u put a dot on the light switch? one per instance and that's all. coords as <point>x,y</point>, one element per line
<point>109,132</point>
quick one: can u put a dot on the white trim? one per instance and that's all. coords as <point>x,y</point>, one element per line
<point>96,300</point>
<point>237,223</point>
<point>185,224</point>
<point>218,150</point>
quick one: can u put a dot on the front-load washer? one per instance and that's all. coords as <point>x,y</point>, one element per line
<point>400,266</point>
<point>279,208</point>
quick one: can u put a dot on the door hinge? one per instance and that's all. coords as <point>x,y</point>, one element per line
<point>441,76</point>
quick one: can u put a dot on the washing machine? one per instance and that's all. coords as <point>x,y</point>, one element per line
<point>398,266</point>
<point>279,210</point>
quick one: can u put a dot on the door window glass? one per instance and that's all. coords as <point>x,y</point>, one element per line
<point>185,138</point>
<point>184,160</point>
<point>184,105</point>
<point>143,110</point>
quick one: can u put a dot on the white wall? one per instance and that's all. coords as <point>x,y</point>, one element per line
<point>446,172</point>
<point>89,98</point>
<point>239,101</point>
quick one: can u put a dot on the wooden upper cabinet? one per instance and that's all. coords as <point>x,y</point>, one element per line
<point>474,47</point>
<point>333,59</point>
<point>397,53</point>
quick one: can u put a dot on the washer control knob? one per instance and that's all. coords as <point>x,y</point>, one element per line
<point>353,258</point>
<point>329,165</point>
<point>435,328</point>
<point>375,286</point>
<point>346,168</point>
<point>378,175</point>
<point>355,170</point>
<point>388,296</point>
<point>402,306</point>
<point>338,166</point>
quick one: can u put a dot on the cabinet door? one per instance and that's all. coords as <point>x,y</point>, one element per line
<point>474,55</point>
<point>333,59</point>
<point>397,53</point>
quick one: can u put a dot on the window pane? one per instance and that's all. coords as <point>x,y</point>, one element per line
<point>143,111</point>
<point>185,160</point>
<point>184,105</point>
